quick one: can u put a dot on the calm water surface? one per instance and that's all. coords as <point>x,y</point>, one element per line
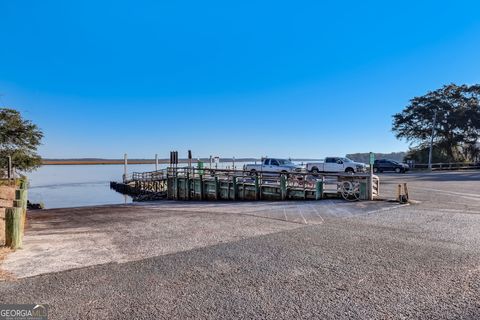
<point>60,186</point>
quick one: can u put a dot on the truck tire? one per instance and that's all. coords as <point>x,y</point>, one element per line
<point>398,170</point>
<point>315,171</point>
<point>253,173</point>
<point>349,170</point>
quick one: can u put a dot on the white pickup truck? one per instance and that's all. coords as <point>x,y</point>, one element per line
<point>272,165</point>
<point>336,164</point>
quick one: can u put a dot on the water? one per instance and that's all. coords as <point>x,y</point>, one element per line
<point>61,186</point>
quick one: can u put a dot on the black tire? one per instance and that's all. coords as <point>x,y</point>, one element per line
<point>253,173</point>
<point>349,170</point>
<point>315,171</point>
<point>398,170</point>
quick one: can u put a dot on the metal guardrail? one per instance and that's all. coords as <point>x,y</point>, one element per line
<point>448,165</point>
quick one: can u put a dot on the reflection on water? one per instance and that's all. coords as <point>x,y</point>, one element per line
<point>59,186</point>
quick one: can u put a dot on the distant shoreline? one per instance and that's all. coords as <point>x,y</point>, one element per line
<point>48,162</point>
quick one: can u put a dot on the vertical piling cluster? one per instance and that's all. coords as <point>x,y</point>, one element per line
<point>16,216</point>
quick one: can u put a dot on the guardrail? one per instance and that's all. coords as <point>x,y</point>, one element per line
<point>448,165</point>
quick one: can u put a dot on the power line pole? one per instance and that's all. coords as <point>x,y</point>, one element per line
<point>431,140</point>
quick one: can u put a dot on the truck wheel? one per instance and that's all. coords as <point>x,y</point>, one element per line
<point>398,170</point>
<point>349,170</point>
<point>253,173</point>
<point>315,171</point>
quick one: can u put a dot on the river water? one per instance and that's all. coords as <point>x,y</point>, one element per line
<point>61,186</point>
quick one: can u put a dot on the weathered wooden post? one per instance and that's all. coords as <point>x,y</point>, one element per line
<point>235,187</point>
<point>21,199</point>
<point>257,188</point>
<point>202,192</point>
<point>13,227</point>
<point>125,163</point>
<point>217,188</point>
<point>319,189</point>
<point>177,189</point>
<point>187,186</point>
<point>283,186</point>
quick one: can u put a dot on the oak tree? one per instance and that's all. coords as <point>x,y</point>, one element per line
<point>457,128</point>
<point>19,138</point>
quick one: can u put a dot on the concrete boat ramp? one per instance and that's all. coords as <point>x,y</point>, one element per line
<point>70,238</point>
<point>326,259</point>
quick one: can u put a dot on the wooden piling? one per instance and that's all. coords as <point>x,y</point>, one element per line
<point>235,187</point>
<point>283,187</point>
<point>318,189</point>
<point>177,189</point>
<point>257,189</point>
<point>13,227</point>
<point>22,195</point>
<point>217,189</point>
<point>202,191</point>
<point>187,187</point>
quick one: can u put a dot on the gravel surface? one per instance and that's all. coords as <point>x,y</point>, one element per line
<point>414,262</point>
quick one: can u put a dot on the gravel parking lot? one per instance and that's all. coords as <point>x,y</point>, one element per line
<point>326,259</point>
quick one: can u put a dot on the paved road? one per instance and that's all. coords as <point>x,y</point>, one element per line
<point>413,262</point>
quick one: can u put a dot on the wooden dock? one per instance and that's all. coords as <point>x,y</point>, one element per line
<point>188,183</point>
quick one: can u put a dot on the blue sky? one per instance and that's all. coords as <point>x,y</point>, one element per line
<point>243,78</point>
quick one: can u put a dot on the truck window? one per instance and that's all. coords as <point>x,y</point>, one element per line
<point>330,160</point>
<point>274,162</point>
<point>266,162</point>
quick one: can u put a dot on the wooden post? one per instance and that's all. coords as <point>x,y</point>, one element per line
<point>257,189</point>
<point>21,201</point>
<point>177,189</point>
<point>202,192</point>
<point>319,189</point>
<point>13,228</point>
<point>217,188</point>
<point>283,186</point>
<point>125,164</point>
<point>235,187</point>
